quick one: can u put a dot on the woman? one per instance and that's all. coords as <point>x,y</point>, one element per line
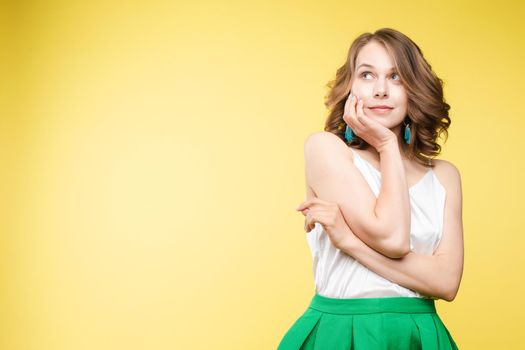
<point>383,218</point>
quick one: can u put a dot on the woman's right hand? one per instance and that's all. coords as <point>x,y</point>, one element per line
<point>329,215</point>
<point>374,133</point>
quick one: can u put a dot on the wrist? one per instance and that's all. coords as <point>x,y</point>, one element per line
<point>350,244</point>
<point>388,146</point>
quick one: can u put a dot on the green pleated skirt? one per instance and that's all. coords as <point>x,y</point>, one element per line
<point>403,323</point>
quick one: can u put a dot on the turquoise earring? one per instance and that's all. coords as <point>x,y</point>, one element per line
<point>407,134</point>
<point>349,135</point>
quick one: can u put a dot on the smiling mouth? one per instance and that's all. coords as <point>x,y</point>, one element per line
<point>381,110</point>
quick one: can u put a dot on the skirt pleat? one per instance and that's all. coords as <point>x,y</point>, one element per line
<point>427,331</point>
<point>367,332</point>
<point>445,340</point>
<point>390,323</point>
<point>396,324</point>
<point>331,324</point>
<point>301,329</point>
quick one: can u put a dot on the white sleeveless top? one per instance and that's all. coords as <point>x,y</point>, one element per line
<point>338,275</point>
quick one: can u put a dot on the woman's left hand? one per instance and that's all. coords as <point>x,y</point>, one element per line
<point>330,217</point>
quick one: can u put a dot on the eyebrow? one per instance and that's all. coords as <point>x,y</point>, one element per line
<point>369,65</point>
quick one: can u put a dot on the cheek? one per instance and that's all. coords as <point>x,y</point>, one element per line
<point>360,90</point>
<point>400,98</point>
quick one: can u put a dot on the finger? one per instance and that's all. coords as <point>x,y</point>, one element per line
<point>310,221</point>
<point>349,109</point>
<point>306,203</point>
<point>348,103</point>
<point>352,119</point>
<point>314,218</point>
<point>306,211</point>
<point>315,201</point>
<point>309,226</point>
<point>322,217</point>
<point>361,113</point>
<point>303,205</point>
<point>353,112</point>
<point>307,221</point>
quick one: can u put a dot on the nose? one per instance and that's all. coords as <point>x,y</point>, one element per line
<point>380,89</point>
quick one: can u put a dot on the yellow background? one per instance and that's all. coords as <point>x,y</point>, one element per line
<point>152,160</point>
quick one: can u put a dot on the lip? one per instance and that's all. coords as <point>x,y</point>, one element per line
<point>381,107</point>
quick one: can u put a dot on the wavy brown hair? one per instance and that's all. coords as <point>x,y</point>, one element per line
<point>427,111</point>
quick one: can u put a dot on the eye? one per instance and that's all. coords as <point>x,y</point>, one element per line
<point>394,75</point>
<point>365,73</point>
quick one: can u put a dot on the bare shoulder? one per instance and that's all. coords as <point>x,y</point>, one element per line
<point>324,142</point>
<point>448,174</point>
<point>323,137</point>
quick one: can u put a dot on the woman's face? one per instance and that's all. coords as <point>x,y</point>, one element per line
<point>377,83</point>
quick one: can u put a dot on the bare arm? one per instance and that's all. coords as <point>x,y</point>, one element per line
<point>382,223</point>
<point>436,275</point>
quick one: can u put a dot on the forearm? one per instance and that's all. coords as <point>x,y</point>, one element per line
<point>390,246</point>
<point>392,206</point>
<point>382,223</point>
<point>389,226</point>
<point>426,274</point>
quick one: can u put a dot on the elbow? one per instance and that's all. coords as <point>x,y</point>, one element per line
<point>450,294</point>
<point>447,289</point>
<point>399,252</point>
<point>397,248</point>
